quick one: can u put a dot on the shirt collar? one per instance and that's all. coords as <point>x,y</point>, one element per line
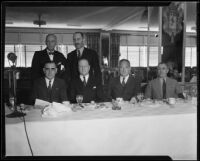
<point>81,50</point>
<point>126,78</point>
<point>47,81</point>
<point>86,77</point>
<point>48,51</point>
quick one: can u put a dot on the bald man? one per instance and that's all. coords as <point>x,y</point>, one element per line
<point>49,54</point>
<point>86,84</point>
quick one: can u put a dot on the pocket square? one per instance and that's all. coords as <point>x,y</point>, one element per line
<point>94,87</point>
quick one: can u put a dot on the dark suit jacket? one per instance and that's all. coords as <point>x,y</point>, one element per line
<point>93,91</point>
<point>153,89</point>
<point>58,92</point>
<point>41,57</point>
<point>93,59</point>
<point>115,88</point>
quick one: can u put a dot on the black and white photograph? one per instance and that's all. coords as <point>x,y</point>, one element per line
<point>105,79</point>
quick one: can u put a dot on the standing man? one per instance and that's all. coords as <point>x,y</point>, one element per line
<point>49,88</point>
<point>86,84</point>
<point>49,54</point>
<point>163,87</point>
<point>83,52</point>
<point>124,86</point>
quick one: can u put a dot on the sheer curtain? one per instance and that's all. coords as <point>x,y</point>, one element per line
<point>114,49</point>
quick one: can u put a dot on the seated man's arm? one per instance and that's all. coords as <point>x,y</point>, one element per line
<point>33,94</point>
<point>148,91</point>
<point>100,93</point>
<point>35,66</point>
<point>109,92</point>
<point>63,92</point>
<point>72,92</point>
<point>179,91</point>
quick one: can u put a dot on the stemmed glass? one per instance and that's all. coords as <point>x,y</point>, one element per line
<point>79,99</point>
<point>140,96</point>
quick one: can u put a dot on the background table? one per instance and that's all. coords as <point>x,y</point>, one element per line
<point>162,130</point>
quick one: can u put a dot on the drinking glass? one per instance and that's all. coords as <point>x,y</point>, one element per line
<point>12,102</point>
<point>79,99</point>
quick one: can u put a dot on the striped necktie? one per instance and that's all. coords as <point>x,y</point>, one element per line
<point>164,89</point>
<point>123,82</point>
<point>84,81</point>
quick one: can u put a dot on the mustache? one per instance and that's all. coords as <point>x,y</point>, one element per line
<point>77,43</point>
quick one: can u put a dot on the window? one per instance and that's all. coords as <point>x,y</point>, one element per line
<point>137,55</point>
<point>190,56</point>
<point>25,53</point>
<point>153,56</point>
<point>30,50</point>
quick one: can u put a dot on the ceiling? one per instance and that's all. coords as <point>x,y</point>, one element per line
<point>91,17</point>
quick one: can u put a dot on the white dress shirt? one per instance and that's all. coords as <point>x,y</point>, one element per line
<point>81,51</point>
<point>50,56</point>
<point>47,82</point>
<point>126,79</point>
<point>161,83</point>
<point>86,78</point>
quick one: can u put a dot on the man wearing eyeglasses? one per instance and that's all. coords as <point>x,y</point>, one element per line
<point>49,88</point>
<point>49,54</point>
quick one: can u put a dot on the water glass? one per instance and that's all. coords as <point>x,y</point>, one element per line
<point>79,99</point>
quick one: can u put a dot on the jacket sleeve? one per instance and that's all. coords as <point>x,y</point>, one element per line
<point>63,92</point>
<point>109,92</point>
<point>100,95</point>
<point>33,94</point>
<point>137,86</point>
<point>35,66</point>
<point>148,91</point>
<point>72,92</point>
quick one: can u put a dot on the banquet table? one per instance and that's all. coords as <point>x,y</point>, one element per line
<point>134,130</point>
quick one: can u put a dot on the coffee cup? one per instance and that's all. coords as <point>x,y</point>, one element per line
<point>171,101</point>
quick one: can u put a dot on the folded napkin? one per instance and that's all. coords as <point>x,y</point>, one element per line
<point>41,103</point>
<point>54,109</point>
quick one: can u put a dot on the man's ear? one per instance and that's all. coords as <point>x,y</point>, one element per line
<point>56,70</point>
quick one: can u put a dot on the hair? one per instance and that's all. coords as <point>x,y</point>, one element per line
<point>81,33</point>
<point>51,35</point>
<point>163,63</point>
<point>84,59</point>
<point>49,62</point>
<point>126,60</point>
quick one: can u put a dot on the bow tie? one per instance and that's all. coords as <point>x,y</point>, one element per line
<point>51,53</point>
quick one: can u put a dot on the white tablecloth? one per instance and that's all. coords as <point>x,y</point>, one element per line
<point>162,130</point>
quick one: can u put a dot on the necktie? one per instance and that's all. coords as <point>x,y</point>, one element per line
<point>79,53</point>
<point>51,53</point>
<point>164,89</point>
<point>123,82</point>
<point>49,91</point>
<point>84,81</point>
<point>49,86</point>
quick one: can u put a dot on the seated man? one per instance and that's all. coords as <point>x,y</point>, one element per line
<point>163,87</point>
<point>86,85</point>
<point>125,86</point>
<point>49,88</point>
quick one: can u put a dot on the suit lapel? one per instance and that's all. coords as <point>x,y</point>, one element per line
<point>46,55</point>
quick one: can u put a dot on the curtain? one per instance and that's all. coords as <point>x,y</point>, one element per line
<point>93,40</point>
<point>114,49</point>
